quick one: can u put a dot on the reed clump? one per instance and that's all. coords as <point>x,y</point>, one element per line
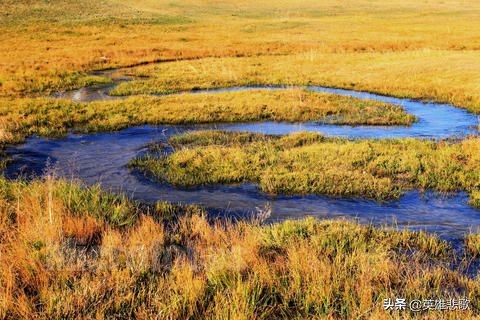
<point>472,244</point>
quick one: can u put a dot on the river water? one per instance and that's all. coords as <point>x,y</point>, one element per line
<point>103,158</point>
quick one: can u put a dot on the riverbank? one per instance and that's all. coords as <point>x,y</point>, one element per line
<point>66,248</point>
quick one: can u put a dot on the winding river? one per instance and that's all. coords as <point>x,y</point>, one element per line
<point>103,158</point>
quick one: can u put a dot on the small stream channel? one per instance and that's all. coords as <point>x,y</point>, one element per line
<point>103,158</point>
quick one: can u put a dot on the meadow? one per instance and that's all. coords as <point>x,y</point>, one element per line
<point>423,50</point>
<point>49,117</point>
<point>442,76</point>
<point>73,251</point>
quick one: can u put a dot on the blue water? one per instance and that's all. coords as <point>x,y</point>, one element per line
<point>435,120</point>
<point>103,158</point>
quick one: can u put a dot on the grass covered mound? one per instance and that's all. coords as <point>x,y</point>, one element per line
<point>52,117</point>
<point>305,163</point>
<point>72,252</point>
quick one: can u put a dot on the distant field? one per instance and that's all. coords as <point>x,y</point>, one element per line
<point>425,49</point>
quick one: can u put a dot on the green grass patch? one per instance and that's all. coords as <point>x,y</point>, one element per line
<point>54,117</point>
<point>306,163</point>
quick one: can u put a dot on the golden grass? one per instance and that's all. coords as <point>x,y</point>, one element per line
<point>184,266</point>
<point>304,163</point>
<point>472,244</point>
<point>444,76</point>
<point>52,117</point>
<point>72,252</point>
<point>396,47</point>
<point>475,198</point>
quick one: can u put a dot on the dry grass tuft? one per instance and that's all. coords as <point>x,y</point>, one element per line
<point>181,265</point>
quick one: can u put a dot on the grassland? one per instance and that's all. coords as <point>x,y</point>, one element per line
<point>74,252</point>
<point>53,117</point>
<point>472,243</point>
<point>441,76</point>
<point>68,251</point>
<point>304,163</point>
<point>423,50</point>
